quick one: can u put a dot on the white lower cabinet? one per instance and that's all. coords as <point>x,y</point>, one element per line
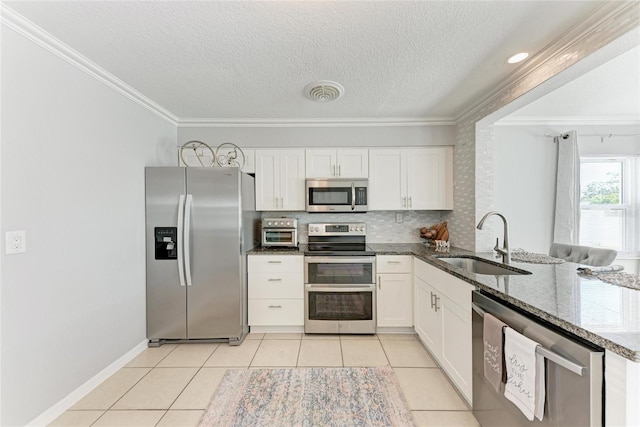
<point>442,308</point>
<point>428,323</point>
<point>276,290</point>
<point>394,293</point>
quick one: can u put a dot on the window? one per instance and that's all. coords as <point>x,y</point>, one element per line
<point>609,197</point>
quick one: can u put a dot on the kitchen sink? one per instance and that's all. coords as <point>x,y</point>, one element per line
<point>481,266</point>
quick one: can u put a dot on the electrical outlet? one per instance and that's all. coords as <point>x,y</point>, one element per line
<point>398,217</point>
<point>16,242</point>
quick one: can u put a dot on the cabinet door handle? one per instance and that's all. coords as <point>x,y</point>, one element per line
<point>333,170</point>
<point>432,302</point>
<point>274,262</point>
<point>274,280</point>
<point>275,306</point>
<point>379,283</point>
<point>282,202</point>
<point>436,303</point>
<point>404,202</point>
<point>410,203</point>
<point>339,170</point>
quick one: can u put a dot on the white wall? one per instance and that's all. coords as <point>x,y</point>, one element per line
<point>320,136</point>
<point>72,176</point>
<point>524,185</point>
<point>525,164</point>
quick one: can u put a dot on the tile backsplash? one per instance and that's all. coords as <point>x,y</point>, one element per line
<point>381,225</point>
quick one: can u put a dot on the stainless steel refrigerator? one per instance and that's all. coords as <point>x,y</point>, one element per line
<point>200,222</point>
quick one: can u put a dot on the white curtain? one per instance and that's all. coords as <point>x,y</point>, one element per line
<point>566,228</point>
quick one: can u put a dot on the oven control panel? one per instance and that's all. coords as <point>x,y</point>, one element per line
<point>341,229</point>
<point>279,223</point>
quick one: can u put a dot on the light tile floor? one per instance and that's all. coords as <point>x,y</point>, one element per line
<point>172,385</point>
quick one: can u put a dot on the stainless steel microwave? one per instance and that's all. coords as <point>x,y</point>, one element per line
<point>337,195</point>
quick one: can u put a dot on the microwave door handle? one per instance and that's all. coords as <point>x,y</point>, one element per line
<point>353,196</point>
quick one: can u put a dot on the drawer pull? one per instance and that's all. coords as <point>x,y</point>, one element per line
<point>274,280</point>
<point>275,262</point>
<point>394,262</point>
<point>275,306</point>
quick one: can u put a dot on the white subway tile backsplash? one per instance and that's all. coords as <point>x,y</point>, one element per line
<point>381,225</point>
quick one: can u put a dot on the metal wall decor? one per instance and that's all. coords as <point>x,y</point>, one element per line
<point>199,154</point>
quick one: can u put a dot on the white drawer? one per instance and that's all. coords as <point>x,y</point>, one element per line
<point>276,285</point>
<point>393,263</point>
<point>275,263</point>
<point>274,312</point>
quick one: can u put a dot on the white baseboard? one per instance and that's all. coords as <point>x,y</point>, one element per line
<point>395,330</point>
<point>72,398</point>
<point>276,329</point>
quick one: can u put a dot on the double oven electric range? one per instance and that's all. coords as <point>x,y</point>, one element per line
<point>339,275</point>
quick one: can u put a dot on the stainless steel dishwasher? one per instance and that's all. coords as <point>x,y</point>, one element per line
<point>574,374</point>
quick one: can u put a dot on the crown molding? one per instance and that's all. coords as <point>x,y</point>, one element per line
<point>609,22</point>
<point>292,123</point>
<point>569,120</point>
<point>13,20</point>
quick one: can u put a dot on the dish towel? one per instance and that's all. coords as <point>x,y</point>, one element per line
<point>525,385</point>
<point>492,337</point>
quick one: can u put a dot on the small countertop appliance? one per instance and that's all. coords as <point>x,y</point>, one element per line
<point>280,232</point>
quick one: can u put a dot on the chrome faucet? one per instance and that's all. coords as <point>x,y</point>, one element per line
<point>504,251</point>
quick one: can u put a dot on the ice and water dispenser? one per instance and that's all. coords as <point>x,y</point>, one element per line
<point>166,246</point>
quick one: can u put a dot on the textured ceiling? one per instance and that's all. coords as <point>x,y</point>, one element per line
<point>611,91</point>
<point>232,60</point>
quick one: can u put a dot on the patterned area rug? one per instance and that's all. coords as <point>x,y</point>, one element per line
<point>308,397</point>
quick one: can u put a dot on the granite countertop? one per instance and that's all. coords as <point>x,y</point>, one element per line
<point>261,250</point>
<point>603,314</point>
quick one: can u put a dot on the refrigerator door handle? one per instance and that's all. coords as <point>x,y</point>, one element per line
<point>181,239</point>
<point>187,238</point>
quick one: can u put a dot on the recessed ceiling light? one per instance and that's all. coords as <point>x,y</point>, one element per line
<point>323,91</point>
<point>517,57</point>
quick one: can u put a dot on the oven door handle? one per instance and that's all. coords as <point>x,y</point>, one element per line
<point>338,260</point>
<point>340,288</point>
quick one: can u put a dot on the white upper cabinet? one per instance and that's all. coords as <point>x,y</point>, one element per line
<point>411,178</point>
<point>249,160</point>
<point>337,163</point>
<point>280,180</point>
<point>387,179</point>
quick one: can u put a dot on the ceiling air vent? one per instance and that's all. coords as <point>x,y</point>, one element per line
<point>323,91</point>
